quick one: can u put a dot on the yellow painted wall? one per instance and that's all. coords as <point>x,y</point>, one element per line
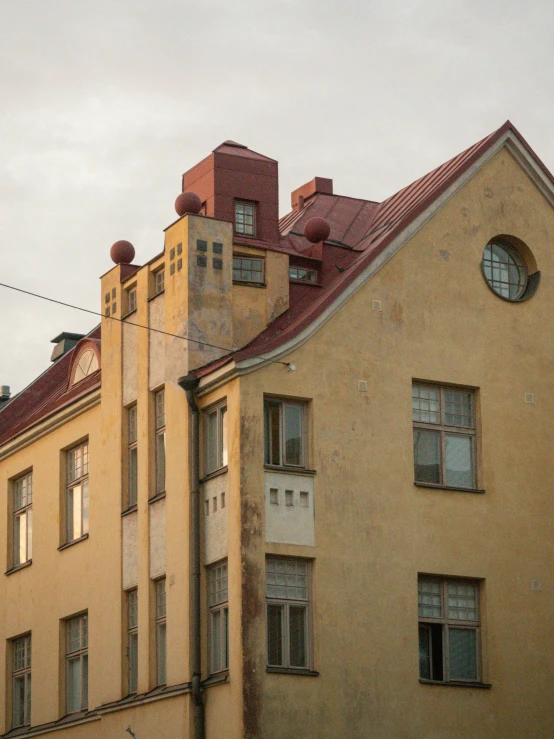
<point>376,530</point>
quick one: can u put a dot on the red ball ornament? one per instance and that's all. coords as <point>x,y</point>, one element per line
<point>317,229</point>
<point>122,252</point>
<point>188,202</point>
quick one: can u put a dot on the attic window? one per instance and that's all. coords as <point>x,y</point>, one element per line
<point>245,218</point>
<point>88,363</point>
<point>302,275</point>
<point>509,269</point>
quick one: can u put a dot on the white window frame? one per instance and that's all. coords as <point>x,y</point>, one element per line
<point>446,624</point>
<point>22,492</point>
<point>282,404</point>
<point>77,654</point>
<point>161,631</point>
<point>285,604</point>
<point>77,492</point>
<point>444,429</point>
<point>220,454</point>
<point>159,442</point>
<point>21,673</point>
<point>218,618</point>
<point>242,228</point>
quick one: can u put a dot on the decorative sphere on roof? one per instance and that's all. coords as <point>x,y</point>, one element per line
<point>122,252</point>
<point>317,229</point>
<point>188,202</point>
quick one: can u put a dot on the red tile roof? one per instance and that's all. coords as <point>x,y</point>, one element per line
<point>360,231</point>
<point>46,395</point>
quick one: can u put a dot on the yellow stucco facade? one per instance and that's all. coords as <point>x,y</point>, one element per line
<point>348,510</point>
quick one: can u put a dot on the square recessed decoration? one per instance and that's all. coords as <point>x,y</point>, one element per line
<point>362,386</point>
<point>172,254</point>
<point>201,260</point>
<point>179,248</point>
<point>172,268</point>
<point>218,263</point>
<point>201,245</point>
<point>376,305</point>
<point>218,248</point>
<point>529,398</point>
<point>179,265</point>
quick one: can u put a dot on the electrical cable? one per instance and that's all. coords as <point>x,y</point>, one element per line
<point>138,325</point>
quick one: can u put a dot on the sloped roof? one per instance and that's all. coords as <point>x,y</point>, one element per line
<point>360,231</point>
<point>46,395</point>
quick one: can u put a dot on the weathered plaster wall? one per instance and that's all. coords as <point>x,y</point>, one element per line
<point>129,526</point>
<point>215,518</point>
<point>289,509</point>
<point>157,539</point>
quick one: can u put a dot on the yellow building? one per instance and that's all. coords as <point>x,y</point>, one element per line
<point>298,482</point>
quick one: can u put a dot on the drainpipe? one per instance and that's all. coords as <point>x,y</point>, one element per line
<point>189,383</point>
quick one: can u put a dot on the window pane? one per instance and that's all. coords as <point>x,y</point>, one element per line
<point>272,433</point>
<point>84,681</point>
<point>462,601</point>
<point>459,461</point>
<point>160,462</point>
<point>457,409</point>
<point>133,662</point>
<point>275,635</point>
<point>19,548</point>
<point>161,653</point>
<point>225,663</point>
<point>425,652</point>
<point>425,404</point>
<point>463,654</point>
<point>84,492</point>
<point>19,701</point>
<point>429,599</point>
<point>216,641</point>
<point>293,434</point>
<point>74,685</point>
<point>427,456</point>
<point>211,442</point>
<point>29,533</point>
<point>133,475</point>
<point>224,437</point>
<point>297,629</point>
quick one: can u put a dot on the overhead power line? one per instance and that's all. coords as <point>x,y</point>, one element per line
<point>113,318</point>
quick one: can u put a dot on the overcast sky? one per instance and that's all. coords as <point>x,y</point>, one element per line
<point>106,103</point>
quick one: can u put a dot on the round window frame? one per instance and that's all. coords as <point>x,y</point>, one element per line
<point>523,259</point>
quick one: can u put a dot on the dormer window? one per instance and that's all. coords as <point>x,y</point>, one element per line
<point>87,364</point>
<point>302,275</point>
<point>245,218</point>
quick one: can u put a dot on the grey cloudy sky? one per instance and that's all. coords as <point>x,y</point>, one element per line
<point>106,103</point>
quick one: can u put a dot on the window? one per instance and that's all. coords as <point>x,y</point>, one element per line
<point>215,434</point>
<point>159,415</point>
<point>288,606</point>
<point>444,436</point>
<point>87,364</point>
<point>245,218</point>
<point>284,433</point>
<point>131,299</point>
<point>22,519</point>
<point>132,459</point>
<point>302,274</point>
<point>160,632</point>
<point>218,618</point>
<point>132,639</point>
<point>246,269</point>
<point>448,613</point>
<point>21,681</point>
<point>77,492</point>
<point>76,660</point>
<point>159,281</point>
<point>504,270</point>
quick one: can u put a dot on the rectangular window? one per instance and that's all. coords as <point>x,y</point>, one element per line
<point>131,299</point>
<point>302,274</point>
<point>23,519</point>
<point>288,613</point>
<point>160,632</point>
<point>159,281</point>
<point>159,415</point>
<point>246,269</point>
<point>21,681</point>
<point>132,458</point>
<point>218,628</point>
<point>449,627</point>
<point>132,639</point>
<point>76,661</point>
<point>444,435</point>
<point>216,440</point>
<point>284,433</point>
<point>77,492</point>
<point>245,218</point>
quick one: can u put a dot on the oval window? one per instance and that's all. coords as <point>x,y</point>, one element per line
<point>88,363</point>
<point>504,270</point>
